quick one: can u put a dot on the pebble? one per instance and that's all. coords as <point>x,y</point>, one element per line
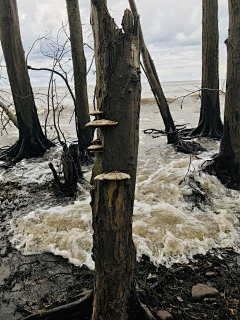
<point>210,274</point>
<point>163,315</point>
<point>202,291</point>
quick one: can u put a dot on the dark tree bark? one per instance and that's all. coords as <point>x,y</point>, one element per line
<point>114,171</point>
<point>32,142</point>
<point>155,84</point>
<point>227,164</point>
<point>210,123</point>
<point>80,75</point>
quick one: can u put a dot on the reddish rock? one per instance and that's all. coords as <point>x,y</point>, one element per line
<point>201,291</point>
<point>163,315</point>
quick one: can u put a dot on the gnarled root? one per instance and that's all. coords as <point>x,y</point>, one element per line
<point>26,147</point>
<point>178,140</point>
<point>204,129</point>
<point>81,309</point>
<point>227,172</point>
<point>137,310</point>
<point>188,147</point>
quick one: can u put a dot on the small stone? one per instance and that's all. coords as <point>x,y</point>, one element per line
<point>234,301</point>
<point>180,299</point>
<point>201,291</point>
<point>163,315</point>
<point>210,274</point>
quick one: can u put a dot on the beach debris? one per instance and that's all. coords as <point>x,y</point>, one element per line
<point>201,291</point>
<point>210,274</point>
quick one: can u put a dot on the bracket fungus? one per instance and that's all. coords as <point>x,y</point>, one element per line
<point>101,123</point>
<point>96,141</point>
<point>114,175</point>
<point>96,113</point>
<point>95,148</point>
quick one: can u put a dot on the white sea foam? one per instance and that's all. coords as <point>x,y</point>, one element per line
<point>167,225</point>
<point>33,170</point>
<point>64,231</point>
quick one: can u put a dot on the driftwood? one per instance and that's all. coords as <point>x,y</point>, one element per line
<point>9,113</point>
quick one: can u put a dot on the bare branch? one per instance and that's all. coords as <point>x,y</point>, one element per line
<point>10,115</point>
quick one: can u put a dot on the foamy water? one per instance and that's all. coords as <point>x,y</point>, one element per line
<point>168,225</point>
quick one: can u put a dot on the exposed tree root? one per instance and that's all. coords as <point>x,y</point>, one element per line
<point>81,309</point>
<point>180,145</point>
<point>205,129</point>
<point>188,147</point>
<point>137,310</point>
<point>26,147</point>
<point>225,171</point>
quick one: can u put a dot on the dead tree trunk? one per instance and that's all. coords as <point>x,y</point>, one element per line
<point>80,75</point>
<point>114,171</point>
<point>32,142</point>
<point>210,123</point>
<point>227,164</point>
<point>155,84</point>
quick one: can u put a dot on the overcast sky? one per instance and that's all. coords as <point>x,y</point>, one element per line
<point>172,31</point>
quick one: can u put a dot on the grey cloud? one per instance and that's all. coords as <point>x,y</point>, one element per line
<point>172,30</point>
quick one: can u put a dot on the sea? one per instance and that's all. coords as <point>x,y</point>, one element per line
<point>170,223</point>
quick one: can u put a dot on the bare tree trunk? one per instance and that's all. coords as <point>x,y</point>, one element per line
<point>210,123</point>
<point>155,84</point>
<point>80,75</point>
<point>227,163</point>
<point>32,141</point>
<point>114,171</point>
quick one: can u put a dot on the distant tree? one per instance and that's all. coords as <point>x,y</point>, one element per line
<point>227,164</point>
<point>80,75</point>
<point>210,123</point>
<point>32,142</point>
<point>114,170</point>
